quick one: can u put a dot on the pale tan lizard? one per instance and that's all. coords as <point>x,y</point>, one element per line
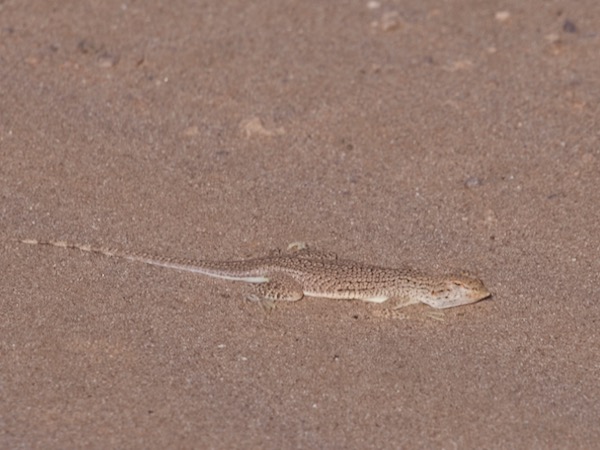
<point>303,272</point>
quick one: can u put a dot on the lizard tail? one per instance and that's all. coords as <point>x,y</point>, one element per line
<point>240,270</point>
<point>82,247</point>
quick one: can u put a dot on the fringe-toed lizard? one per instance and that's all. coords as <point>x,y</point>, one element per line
<point>299,272</point>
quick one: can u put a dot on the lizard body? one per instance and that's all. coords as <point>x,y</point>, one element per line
<point>304,272</point>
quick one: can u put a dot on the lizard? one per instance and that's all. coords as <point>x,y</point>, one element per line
<point>305,272</point>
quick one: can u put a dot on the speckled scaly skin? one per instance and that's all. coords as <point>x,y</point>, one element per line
<point>302,272</point>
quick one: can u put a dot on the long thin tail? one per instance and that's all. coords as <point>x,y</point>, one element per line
<point>91,249</point>
<point>219,269</point>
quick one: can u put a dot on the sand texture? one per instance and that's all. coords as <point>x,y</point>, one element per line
<point>437,135</point>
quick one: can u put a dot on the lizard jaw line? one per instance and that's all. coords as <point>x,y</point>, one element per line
<point>346,296</point>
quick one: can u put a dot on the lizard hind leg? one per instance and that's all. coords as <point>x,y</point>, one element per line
<point>302,250</point>
<point>278,288</point>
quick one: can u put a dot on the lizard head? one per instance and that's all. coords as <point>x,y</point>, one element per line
<point>456,290</point>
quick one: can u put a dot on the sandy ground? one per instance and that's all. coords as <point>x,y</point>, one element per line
<point>441,135</point>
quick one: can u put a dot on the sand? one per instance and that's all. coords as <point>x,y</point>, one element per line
<point>440,135</point>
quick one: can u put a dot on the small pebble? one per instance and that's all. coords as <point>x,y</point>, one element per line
<point>106,60</point>
<point>473,182</point>
<point>569,27</point>
<point>390,21</point>
<point>255,127</point>
<point>502,16</point>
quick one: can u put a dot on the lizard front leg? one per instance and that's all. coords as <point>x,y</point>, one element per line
<point>278,288</point>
